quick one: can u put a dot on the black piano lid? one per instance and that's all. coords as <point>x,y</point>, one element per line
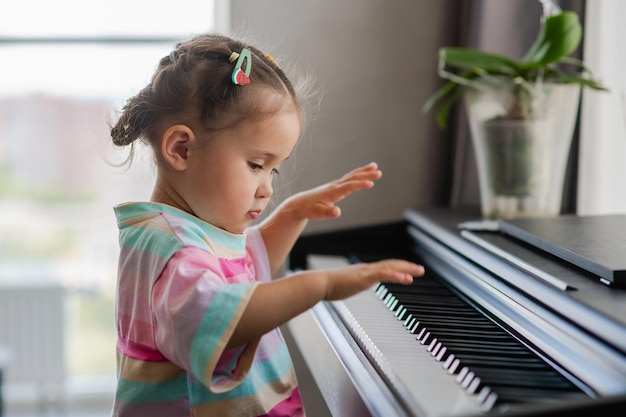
<point>594,243</point>
<point>598,308</point>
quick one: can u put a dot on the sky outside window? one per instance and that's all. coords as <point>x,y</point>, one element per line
<point>113,69</point>
<point>67,67</point>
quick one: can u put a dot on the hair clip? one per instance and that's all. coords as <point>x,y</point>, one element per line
<point>272,60</point>
<point>239,76</point>
<point>173,56</point>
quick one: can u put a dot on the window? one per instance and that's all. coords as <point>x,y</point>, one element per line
<point>601,188</point>
<point>67,66</point>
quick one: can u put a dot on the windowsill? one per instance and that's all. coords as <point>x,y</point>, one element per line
<point>93,392</point>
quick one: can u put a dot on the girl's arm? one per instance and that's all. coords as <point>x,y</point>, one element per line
<point>274,303</point>
<point>281,230</point>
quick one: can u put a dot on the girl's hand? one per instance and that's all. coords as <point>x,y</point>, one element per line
<point>283,227</point>
<point>350,280</point>
<point>319,202</point>
<point>296,293</point>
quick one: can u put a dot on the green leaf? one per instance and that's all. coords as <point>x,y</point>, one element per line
<point>444,109</point>
<point>466,58</point>
<point>558,37</point>
<point>452,96</point>
<point>439,95</point>
<point>569,78</point>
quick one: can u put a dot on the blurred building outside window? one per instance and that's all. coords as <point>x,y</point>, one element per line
<point>68,66</point>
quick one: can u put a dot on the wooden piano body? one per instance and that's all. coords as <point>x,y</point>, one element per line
<point>478,335</point>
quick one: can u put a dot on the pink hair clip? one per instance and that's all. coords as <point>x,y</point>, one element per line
<point>239,76</point>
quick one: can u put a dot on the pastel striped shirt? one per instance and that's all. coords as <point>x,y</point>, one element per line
<point>183,285</point>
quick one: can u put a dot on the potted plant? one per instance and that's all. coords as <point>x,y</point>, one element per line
<point>521,116</point>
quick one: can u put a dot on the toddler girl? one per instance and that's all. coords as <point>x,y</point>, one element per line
<point>197,314</point>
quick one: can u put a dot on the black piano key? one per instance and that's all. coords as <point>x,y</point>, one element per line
<point>513,395</point>
<point>522,377</point>
<point>486,359</point>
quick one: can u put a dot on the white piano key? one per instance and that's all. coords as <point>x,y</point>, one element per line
<point>432,344</point>
<point>406,364</point>
<point>461,375</point>
<point>468,379</point>
<point>474,385</point>
<point>455,364</point>
<point>435,350</point>
<point>441,353</point>
<point>448,361</point>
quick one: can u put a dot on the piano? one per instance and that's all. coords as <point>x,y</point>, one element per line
<point>495,327</point>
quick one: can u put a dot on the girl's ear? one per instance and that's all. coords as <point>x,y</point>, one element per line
<point>175,146</point>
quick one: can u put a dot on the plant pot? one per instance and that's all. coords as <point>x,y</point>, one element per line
<point>521,143</point>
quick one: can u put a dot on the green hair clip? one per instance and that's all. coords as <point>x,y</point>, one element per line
<point>239,76</point>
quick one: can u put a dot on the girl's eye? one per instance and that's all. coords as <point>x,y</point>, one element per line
<point>254,166</point>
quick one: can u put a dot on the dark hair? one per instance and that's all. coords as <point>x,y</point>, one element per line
<point>193,85</point>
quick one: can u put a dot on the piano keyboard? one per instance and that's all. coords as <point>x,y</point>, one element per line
<point>432,347</point>
<point>476,336</point>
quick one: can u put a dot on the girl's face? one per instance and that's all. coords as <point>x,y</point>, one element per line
<point>228,182</point>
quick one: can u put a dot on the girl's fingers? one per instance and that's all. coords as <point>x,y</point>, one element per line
<point>341,189</point>
<point>401,271</point>
<point>362,175</point>
<point>346,281</point>
<point>367,170</point>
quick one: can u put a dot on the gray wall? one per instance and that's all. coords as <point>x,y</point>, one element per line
<point>374,63</point>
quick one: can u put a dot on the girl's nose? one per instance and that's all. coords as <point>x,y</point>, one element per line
<point>265,189</point>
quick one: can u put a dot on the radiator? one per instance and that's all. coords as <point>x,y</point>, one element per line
<point>32,329</point>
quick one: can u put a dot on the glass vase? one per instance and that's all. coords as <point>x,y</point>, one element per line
<point>521,141</point>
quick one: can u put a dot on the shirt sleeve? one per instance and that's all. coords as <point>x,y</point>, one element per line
<point>257,253</point>
<point>196,309</point>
